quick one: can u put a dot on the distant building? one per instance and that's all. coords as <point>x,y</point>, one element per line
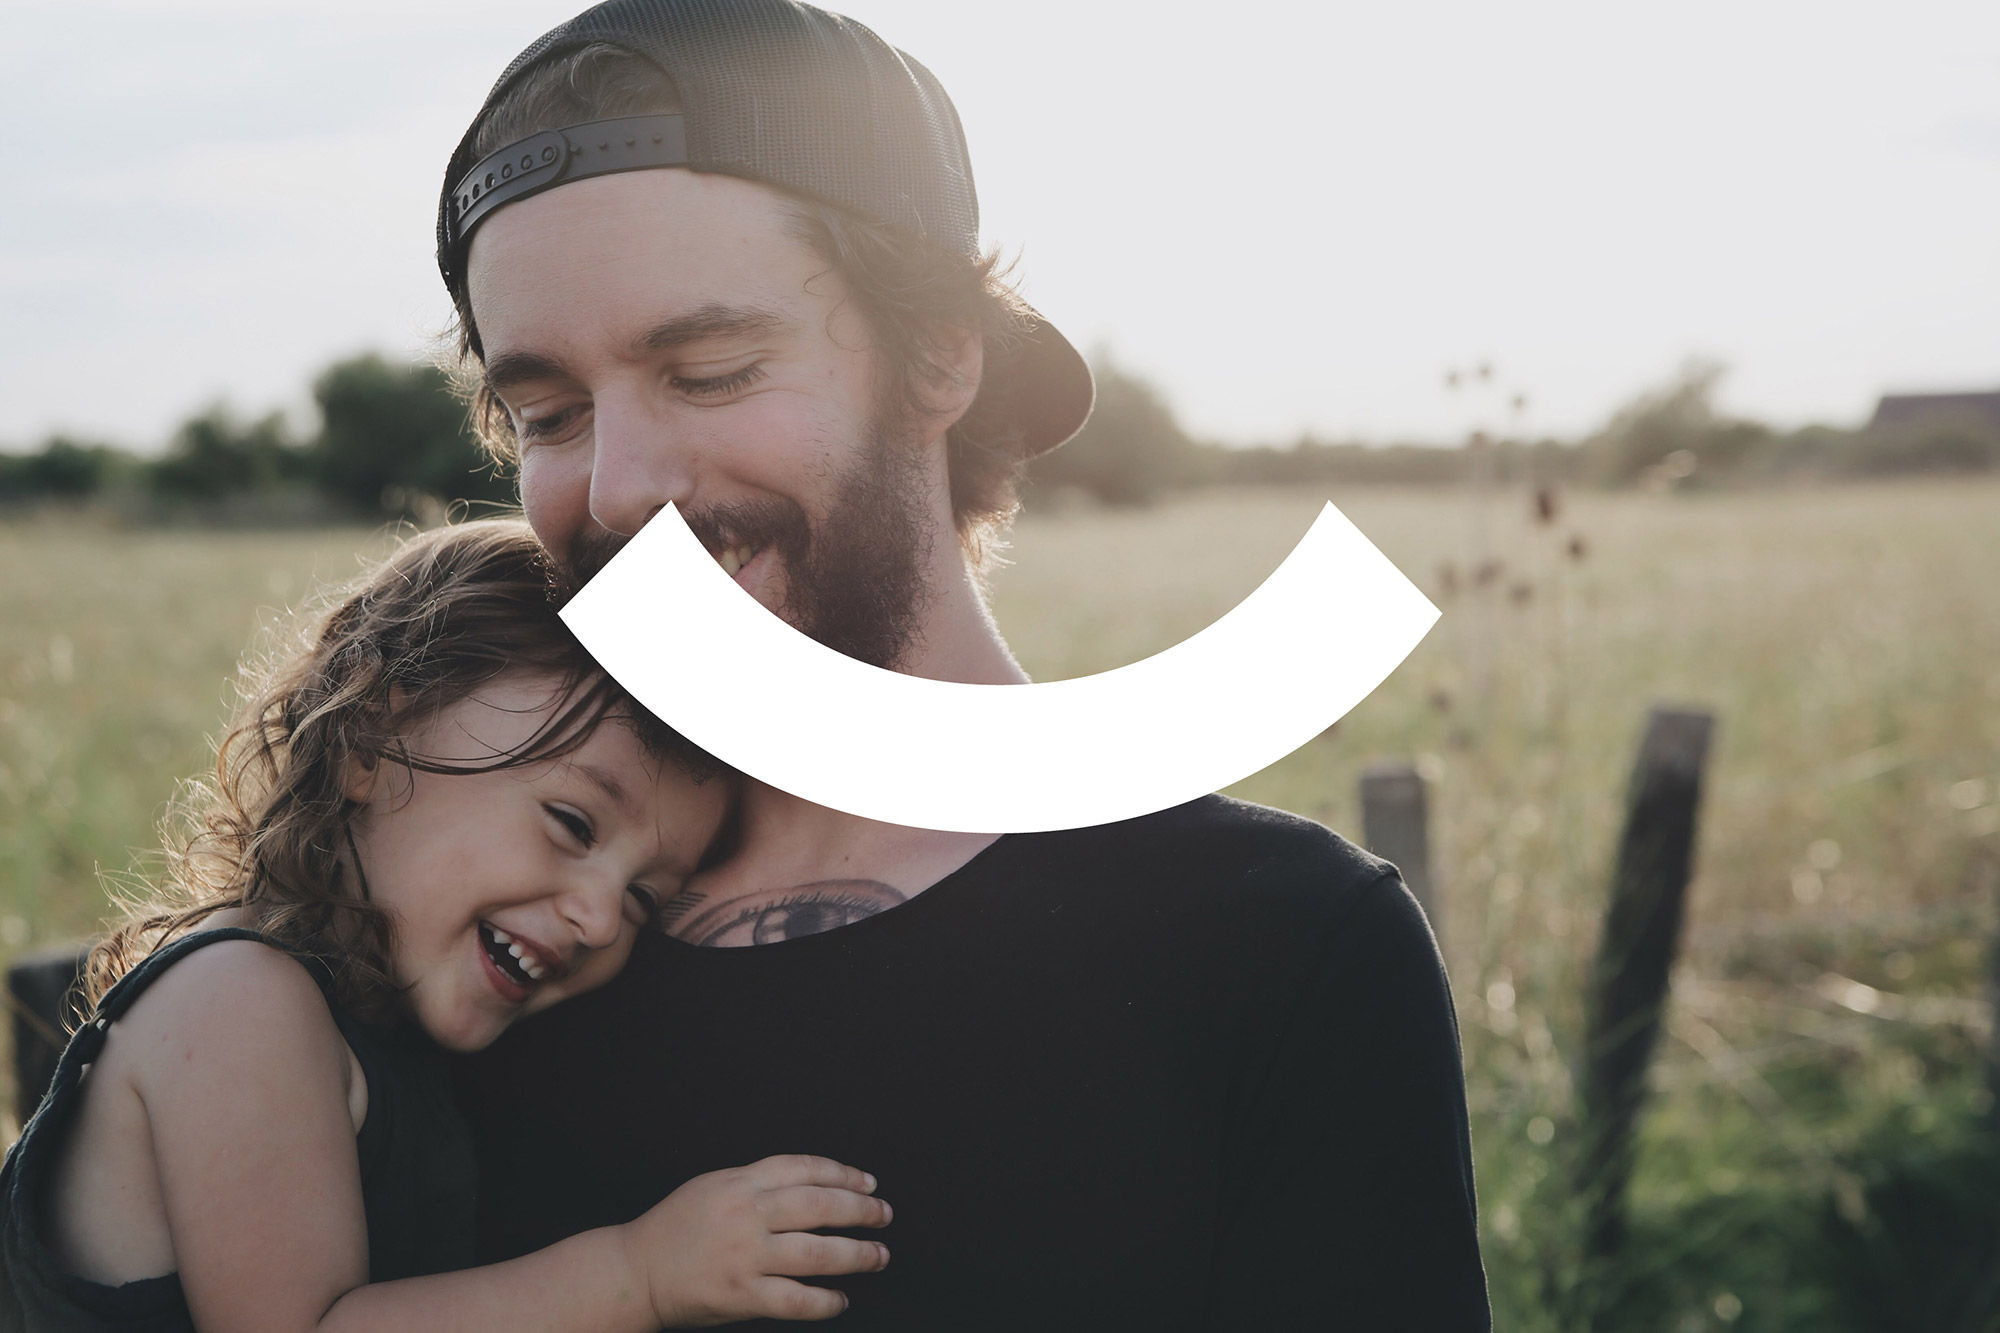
<point>1900,411</point>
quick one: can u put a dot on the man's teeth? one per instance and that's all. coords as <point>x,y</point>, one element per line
<point>734,558</point>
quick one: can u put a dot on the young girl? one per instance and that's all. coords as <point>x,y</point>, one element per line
<point>436,817</point>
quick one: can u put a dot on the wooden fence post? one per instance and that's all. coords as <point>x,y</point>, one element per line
<point>1628,984</point>
<point>1985,873</point>
<point>1395,818</point>
<point>40,994</point>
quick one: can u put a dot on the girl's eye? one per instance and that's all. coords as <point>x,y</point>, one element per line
<point>720,386</point>
<point>577,826</point>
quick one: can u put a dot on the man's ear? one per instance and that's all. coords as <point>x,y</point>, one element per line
<point>360,776</point>
<point>960,357</point>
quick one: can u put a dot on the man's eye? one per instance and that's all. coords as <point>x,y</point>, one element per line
<point>646,903</point>
<point>720,386</point>
<point>546,429</point>
<point>577,826</point>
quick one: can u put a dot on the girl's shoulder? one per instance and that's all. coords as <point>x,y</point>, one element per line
<point>240,1005</point>
<point>215,1055</point>
<point>238,985</point>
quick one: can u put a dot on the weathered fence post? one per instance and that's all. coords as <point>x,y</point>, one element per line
<point>1985,873</point>
<point>40,994</point>
<point>1395,824</point>
<point>1628,984</point>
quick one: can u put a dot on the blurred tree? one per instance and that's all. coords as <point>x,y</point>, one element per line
<point>65,469</point>
<point>1130,450</point>
<point>393,434</point>
<point>215,455</point>
<point>1677,419</point>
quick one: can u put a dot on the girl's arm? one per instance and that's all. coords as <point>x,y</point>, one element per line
<point>717,1249</point>
<point>244,1078</point>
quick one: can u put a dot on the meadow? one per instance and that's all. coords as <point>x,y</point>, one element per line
<point>1829,1015</point>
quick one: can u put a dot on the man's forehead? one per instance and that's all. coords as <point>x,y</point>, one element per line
<point>647,261</point>
<point>641,227</point>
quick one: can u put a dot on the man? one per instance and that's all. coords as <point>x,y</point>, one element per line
<point>1194,1071</point>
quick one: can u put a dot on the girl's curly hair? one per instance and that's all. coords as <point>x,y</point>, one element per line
<point>449,611</point>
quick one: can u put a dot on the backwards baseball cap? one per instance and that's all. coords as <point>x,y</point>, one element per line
<point>793,96</point>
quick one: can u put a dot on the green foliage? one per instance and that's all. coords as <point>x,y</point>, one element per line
<point>1919,1250</point>
<point>394,441</point>
<point>214,455</point>
<point>65,469</point>
<point>394,432</point>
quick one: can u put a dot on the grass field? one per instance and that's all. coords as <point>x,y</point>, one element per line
<point>1829,1014</point>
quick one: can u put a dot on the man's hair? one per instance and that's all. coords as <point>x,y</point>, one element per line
<point>914,295</point>
<point>450,611</point>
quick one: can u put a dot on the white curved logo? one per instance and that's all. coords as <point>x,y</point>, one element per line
<point>1326,627</point>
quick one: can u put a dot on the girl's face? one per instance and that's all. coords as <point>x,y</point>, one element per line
<point>515,889</point>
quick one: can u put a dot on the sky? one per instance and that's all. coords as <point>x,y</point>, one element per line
<point>1293,218</point>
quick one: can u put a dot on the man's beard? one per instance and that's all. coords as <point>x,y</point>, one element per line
<point>857,581</point>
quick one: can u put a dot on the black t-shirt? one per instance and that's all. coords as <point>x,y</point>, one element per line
<point>1198,1070</point>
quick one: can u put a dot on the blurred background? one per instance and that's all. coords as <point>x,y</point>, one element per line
<point>1655,343</point>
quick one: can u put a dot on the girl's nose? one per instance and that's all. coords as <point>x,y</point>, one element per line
<point>595,910</point>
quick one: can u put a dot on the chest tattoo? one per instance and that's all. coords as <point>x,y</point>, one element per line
<point>677,907</point>
<point>771,915</point>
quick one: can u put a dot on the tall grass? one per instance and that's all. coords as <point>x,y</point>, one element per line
<point>1828,1015</point>
<point>1830,999</point>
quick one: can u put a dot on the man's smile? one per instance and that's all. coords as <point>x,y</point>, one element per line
<point>735,558</point>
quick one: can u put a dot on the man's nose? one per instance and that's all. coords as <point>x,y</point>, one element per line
<point>637,465</point>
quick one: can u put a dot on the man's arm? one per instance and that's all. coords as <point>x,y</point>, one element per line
<point>1348,1199</point>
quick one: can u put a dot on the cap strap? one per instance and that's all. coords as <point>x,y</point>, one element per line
<point>556,157</point>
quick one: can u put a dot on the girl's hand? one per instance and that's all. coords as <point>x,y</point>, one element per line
<point>727,1245</point>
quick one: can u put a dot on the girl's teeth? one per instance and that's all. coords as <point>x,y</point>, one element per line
<point>530,964</point>
<point>500,936</point>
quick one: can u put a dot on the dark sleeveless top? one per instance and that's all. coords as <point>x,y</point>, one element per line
<point>417,1175</point>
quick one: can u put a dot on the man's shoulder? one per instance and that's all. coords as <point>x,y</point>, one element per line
<point>1217,898</point>
<point>1223,854</point>
<point>1253,837</point>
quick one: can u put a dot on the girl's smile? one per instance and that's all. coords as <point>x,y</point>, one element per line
<point>518,963</point>
<point>514,888</point>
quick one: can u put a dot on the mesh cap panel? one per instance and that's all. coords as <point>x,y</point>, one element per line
<point>790,94</point>
<point>785,93</point>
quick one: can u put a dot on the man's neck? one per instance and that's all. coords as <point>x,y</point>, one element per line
<point>804,869</point>
<point>959,640</point>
